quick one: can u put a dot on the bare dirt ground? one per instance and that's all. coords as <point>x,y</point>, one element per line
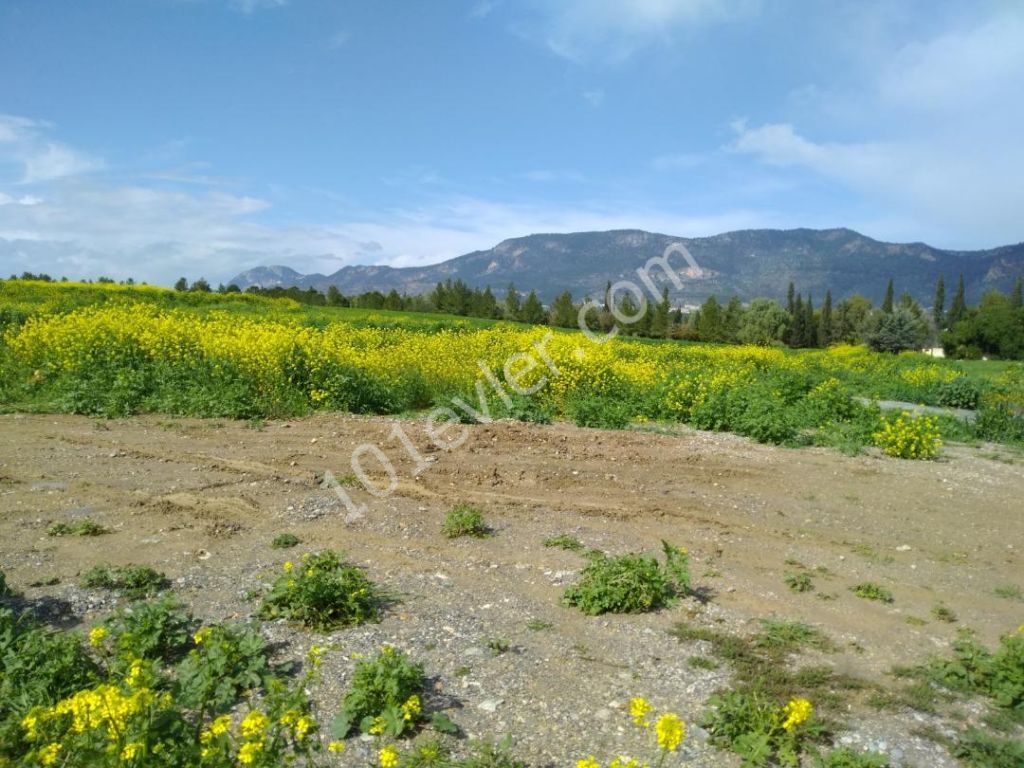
<point>201,501</point>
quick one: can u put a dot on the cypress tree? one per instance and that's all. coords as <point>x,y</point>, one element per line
<point>959,305</point>
<point>810,326</point>
<point>796,328</point>
<point>939,304</point>
<point>825,325</point>
<point>887,303</point>
<point>1016,300</point>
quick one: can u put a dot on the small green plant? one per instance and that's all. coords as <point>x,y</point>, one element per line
<point>465,520</point>
<point>285,541</point>
<point>385,697</point>
<point>323,592</point>
<point>538,625</point>
<point>630,583</point>
<point>759,730</point>
<point>154,629</point>
<point>871,591</point>
<point>133,581</point>
<point>5,590</point>
<point>909,437</point>
<point>799,582</point>
<point>975,669</point>
<point>565,541</point>
<point>942,613</point>
<point>702,662</point>
<point>498,646</point>
<point>1009,592</point>
<point>788,636</point>
<point>847,758</point>
<point>80,528</point>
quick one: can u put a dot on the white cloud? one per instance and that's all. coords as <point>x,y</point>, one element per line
<point>24,144</point>
<point>249,6</point>
<point>584,30</point>
<point>595,97</point>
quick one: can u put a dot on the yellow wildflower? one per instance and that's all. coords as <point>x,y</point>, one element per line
<point>288,565</point>
<point>336,746</point>
<point>670,732</point>
<point>130,750</point>
<point>388,757</point>
<point>255,724</point>
<point>411,708</point>
<point>96,636</point>
<point>48,754</point>
<point>797,712</point>
<point>202,635</point>
<point>638,710</point>
<point>588,762</point>
<point>249,752</point>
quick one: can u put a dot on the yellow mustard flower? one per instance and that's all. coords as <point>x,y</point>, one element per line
<point>388,757</point>
<point>97,635</point>
<point>670,732</point>
<point>797,712</point>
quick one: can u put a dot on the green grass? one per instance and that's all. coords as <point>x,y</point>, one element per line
<point>285,541</point>
<point>80,528</point>
<point>132,581</point>
<point>871,591</point>
<point>564,541</point>
<point>465,520</point>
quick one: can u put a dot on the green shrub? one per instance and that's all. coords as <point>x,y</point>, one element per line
<point>285,541</point>
<point>1000,422</point>
<point>155,629</point>
<point>465,520</point>
<point>132,581</point>
<point>958,393</point>
<point>5,589</point>
<point>80,528</point>
<point>385,697</point>
<point>871,591</point>
<point>630,583</point>
<point>322,592</point>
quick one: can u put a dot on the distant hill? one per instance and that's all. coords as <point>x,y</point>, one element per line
<point>747,263</point>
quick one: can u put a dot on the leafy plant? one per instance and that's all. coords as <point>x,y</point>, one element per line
<point>465,520</point>
<point>225,662</point>
<point>788,636</point>
<point>630,583</point>
<point>80,528</point>
<point>759,730</point>
<point>5,589</point>
<point>799,581</point>
<point>323,592</point>
<point>942,613</point>
<point>285,541</point>
<point>385,697</point>
<point>156,629</point>
<point>871,591</point>
<point>498,646</point>
<point>974,669</point>
<point>132,581</point>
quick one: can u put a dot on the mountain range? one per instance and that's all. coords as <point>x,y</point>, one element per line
<point>746,263</point>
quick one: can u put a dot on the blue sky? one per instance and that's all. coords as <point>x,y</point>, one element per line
<point>158,138</point>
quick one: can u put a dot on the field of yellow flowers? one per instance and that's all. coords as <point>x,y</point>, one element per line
<point>249,357</point>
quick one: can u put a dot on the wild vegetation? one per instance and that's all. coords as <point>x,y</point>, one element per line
<point>117,350</point>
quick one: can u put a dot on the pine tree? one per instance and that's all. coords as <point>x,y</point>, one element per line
<point>939,304</point>
<point>512,305</point>
<point>887,302</point>
<point>733,319</point>
<point>959,306</point>
<point>181,285</point>
<point>825,323</point>
<point>660,318</point>
<point>791,299</point>
<point>563,312</point>
<point>1016,300</point>
<point>532,311</point>
<point>710,324</point>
